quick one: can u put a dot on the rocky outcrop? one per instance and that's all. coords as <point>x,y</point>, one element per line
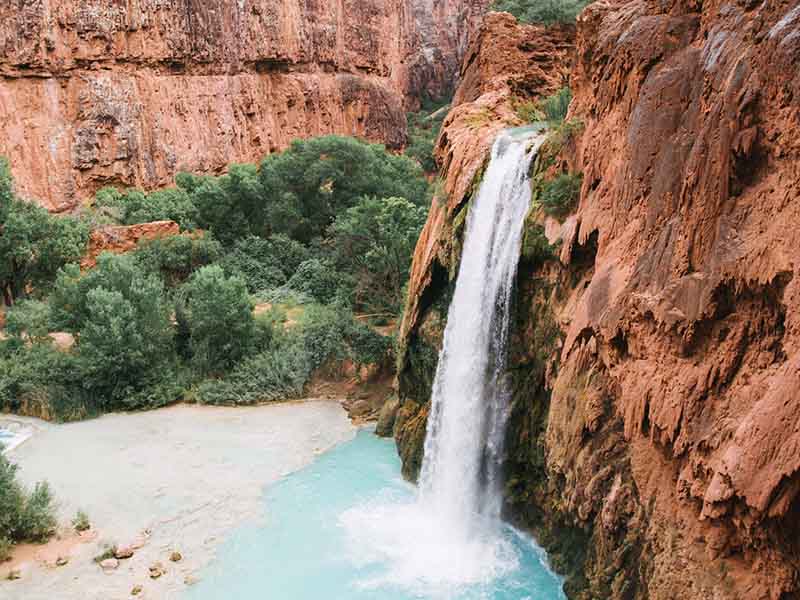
<point>119,239</point>
<point>95,93</point>
<point>655,361</point>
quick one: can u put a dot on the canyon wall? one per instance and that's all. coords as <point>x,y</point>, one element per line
<point>654,441</point>
<point>128,93</point>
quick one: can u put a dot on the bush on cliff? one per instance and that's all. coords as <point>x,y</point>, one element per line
<point>560,195</point>
<point>423,129</point>
<point>542,11</point>
<point>25,516</point>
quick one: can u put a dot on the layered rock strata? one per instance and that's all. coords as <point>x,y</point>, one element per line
<point>129,93</point>
<point>654,444</point>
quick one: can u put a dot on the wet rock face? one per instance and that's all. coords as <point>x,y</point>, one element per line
<point>95,93</point>
<point>654,441</point>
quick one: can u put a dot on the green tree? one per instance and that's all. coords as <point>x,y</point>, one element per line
<point>219,316</point>
<point>175,258</point>
<point>125,349</point>
<point>316,179</point>
<point>34,245</point>
<point>265,263</point>
<point>374,241</point>
<point>232,205</point>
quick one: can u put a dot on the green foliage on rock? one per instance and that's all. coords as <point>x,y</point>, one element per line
<point>542,11</point>
<point>134,206</point>
<point>555,107</point>
<point>26,516</point>
<point>559,196</point>
<point>219,318</point>
<point>423,130</point>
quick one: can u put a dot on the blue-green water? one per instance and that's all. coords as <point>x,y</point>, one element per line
<point>324,536</point>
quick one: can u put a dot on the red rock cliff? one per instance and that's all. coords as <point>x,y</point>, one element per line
<point>655,436</point>
<point>128,93</point>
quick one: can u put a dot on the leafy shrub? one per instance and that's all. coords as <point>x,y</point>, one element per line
<point>319,280</point>
<point>219,318</point>
<point>542,11</point>
<point>125,350</point>
<point>560,195</point>
<point>28,320</point>
<point>176,258</point>
<point>34,245</point>
<point>265,263</point>
<point>232,205</point>
<point>555,107</point>
<point>81,522</point>
<point>528,111</point>
<point>535,246</point>
<point>134,206</point>
<point>423,129</point>
<point>28,374</point>
<point>26,516</point>
<point>374,242</point>
<point>316,179</point>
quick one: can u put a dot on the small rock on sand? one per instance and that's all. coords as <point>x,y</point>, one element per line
<point>14,574</point>
<point>137,589</point>
<point>109,564</point>
<point>157,570</point>
<point>123,552</point>
<point>175,557</point>
<point>61,561</point>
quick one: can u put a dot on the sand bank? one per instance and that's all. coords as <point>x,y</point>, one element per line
<point>177,479</point>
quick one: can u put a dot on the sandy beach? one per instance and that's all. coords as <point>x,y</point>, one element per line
<point>172,480</point>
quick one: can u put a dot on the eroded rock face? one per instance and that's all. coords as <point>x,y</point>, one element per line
<point>119,239</point>
<point>96,93</point>
<point>654,444</point>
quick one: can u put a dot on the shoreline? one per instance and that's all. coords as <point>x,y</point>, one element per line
<point>176,479</point>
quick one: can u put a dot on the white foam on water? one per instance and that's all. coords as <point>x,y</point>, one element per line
<point>452,536</point>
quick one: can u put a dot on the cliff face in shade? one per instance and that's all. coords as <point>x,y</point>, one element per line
<point>128,93</point>
<point>654,444</point>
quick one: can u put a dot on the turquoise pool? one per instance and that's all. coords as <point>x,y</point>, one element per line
<point>324,536</point>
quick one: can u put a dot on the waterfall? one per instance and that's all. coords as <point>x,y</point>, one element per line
<point>451,539</point>
<point>460,478</point>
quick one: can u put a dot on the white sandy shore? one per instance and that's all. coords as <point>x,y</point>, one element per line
<point>186,474</point>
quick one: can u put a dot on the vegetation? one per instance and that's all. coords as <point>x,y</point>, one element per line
<point>27,516</point>
<point>321,231</point>
<point>559,196</point>
<point>542,11</point>
<point>555,107</point>
<point>81,522</point>
<point>423,130</point>
<point>218,314</point>
<point>34,244</point>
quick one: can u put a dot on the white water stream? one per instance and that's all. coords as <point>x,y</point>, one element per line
<point>452,536</point>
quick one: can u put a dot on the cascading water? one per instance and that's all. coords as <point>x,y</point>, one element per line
<point>469,405</point>
<point>452,536</point>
